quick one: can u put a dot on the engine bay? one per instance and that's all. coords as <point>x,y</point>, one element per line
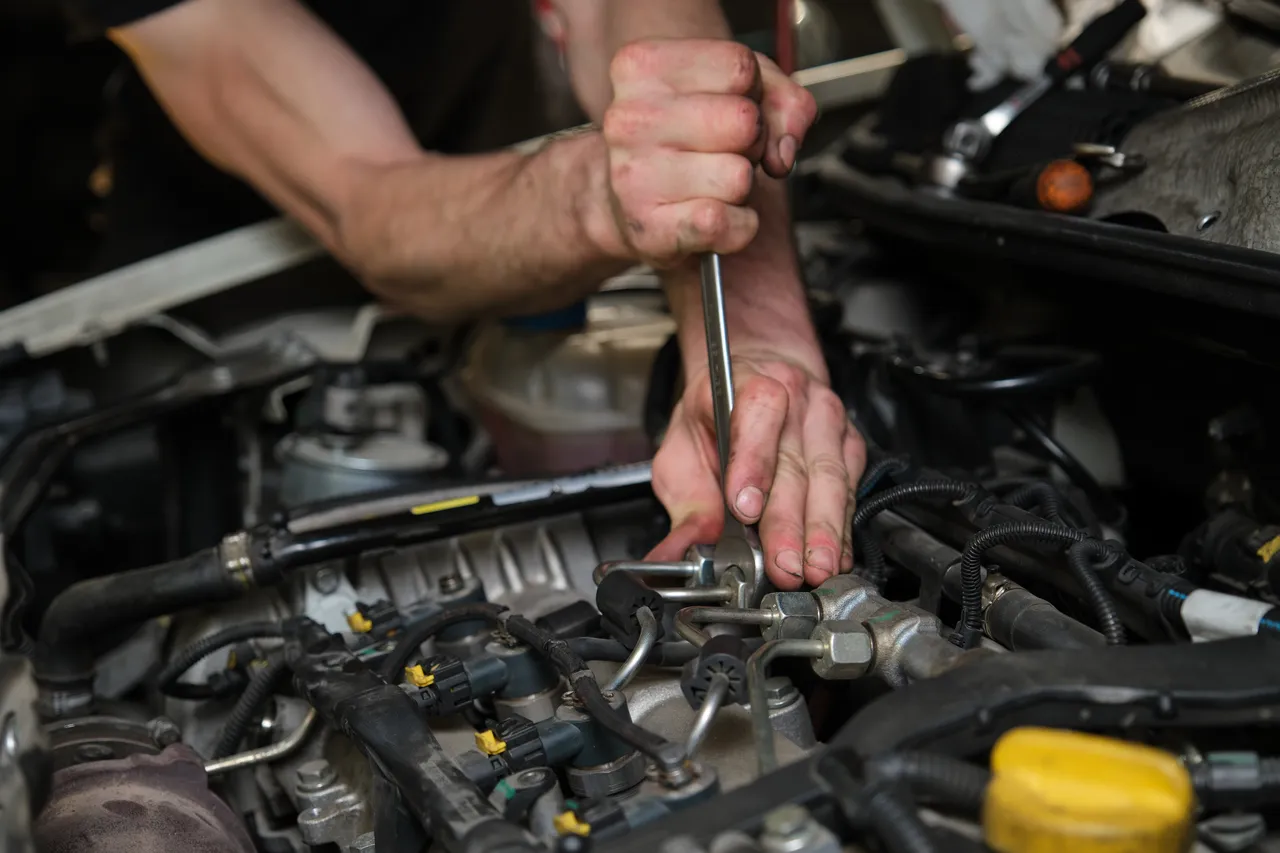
<point>338,580</point>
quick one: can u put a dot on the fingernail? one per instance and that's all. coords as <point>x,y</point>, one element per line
<point>750,502</point>
<point>846,561</point>
<point>823,559</point>
<point>789,562</point>
<point>787,151</point>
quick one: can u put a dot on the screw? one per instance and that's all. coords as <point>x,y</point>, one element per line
<point>325,581</point>
<point>787,821</point>
<point>676,777</point>
<point>164,732</point>
<point>314,775</point>
<point>94,752</point>
<point>780,691</point>
<point>451,583</point>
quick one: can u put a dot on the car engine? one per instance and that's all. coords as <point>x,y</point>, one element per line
<point>291,579</point>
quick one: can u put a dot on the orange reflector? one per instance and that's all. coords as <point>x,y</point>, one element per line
<point>1064,186</point>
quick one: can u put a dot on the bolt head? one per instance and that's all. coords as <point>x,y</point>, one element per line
<point>703,557</point>
<point>164,732</point>
<point>796,615</point>
<point>779,691</point>
<point>786,821</point>
<point>848,650</point>
<point>314,775</point>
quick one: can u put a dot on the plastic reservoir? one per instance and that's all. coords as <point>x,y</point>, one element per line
<point>565,392</point>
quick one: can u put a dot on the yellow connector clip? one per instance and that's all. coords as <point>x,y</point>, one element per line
<point>567,823</point>
<point>359,623</point>
<point>488,743</point>
<point>415,676</point>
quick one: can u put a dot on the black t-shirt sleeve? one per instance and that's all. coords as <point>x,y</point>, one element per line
<point>96,16</point>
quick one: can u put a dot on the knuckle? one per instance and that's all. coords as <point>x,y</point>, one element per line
<point>741,66</point>
<point>631,62</point>
<point>710,218</point>
<point>828,404</point>
<point>623,121</point>
<point>744,124</point>
<point>765,392</point>
<point>791,464</point>
<point>827,466</point>
<point>794,379</point>
<point>738,179</point>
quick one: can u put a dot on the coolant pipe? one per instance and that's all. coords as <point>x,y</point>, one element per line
<point>757,672</point>
<point>689,618</point>
<point>69,641</point>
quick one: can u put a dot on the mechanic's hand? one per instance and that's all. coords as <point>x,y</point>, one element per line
<point>794,463</point>
<point>689,122</point>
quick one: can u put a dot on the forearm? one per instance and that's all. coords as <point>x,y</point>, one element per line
<point>512,232</point>
<point>269,94</point>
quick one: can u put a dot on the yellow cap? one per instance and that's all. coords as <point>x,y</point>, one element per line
<point>1053,791</point>
<point>488,743</point>
<point>415,676</point>
<point>359,623</point>
<point>567,823</point>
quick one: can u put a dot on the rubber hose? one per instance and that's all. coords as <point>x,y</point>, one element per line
<point>1081,557</point>
<point>936,778</point>
<point>897,825</point>
<point>1040,496</point>
<point>583,682</point>
<point>408,642</point>
<point>167,679</point>
<point>250,705</point>
<point>969,631</point>
<point>66,649</point>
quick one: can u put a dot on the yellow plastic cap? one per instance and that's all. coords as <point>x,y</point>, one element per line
<point>567,823</point>
<point>488,743</point>
<point>359,623</point>
<point>1056,791</point>
<point>415,676</point>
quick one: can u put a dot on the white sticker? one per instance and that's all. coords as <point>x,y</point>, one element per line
<point>1217,616</point>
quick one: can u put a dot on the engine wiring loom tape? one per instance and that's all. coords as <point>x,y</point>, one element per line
<point>1211,615</point>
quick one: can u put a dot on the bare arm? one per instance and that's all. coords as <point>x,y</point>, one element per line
<point>265,91</point>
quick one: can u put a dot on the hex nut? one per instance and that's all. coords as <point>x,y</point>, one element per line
<point>848,650</point>
<point>795,615</point>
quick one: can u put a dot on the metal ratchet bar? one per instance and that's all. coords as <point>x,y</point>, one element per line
<point>718,355</point>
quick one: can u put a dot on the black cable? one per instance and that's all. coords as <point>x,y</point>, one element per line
<point>408,641</point>
<point>1081,557</point>
<point>870,555</point>
<point>167,679</point>
<point>584,685</point>
<point>249,706</point>
<point>879,470</point>
<point>880,806</point>
<point>921,489</point>
<point>1041,496</point>
<point>936,778</point>
<point>968,632</point>
<point>895,821</point>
